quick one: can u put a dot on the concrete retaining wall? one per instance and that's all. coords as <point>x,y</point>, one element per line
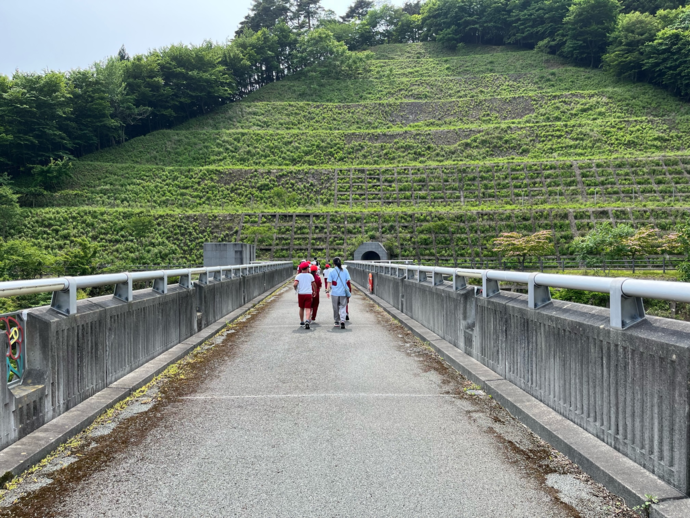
<point>628,388</point>
<point>71,358</point>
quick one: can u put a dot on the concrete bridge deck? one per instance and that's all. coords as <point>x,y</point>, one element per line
<point>289,422</point>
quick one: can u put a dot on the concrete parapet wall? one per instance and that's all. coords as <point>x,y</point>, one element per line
<point>628,388</point>
<point>70,358</point>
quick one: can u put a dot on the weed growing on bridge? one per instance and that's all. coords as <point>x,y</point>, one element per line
<point>646,507</point>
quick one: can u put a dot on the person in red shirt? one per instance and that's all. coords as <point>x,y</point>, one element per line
<point>317,290</point>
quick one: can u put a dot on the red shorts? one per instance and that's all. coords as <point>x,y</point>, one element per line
<point>304,301</point>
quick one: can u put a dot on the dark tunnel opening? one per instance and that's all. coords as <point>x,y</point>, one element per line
<point>371,256</point>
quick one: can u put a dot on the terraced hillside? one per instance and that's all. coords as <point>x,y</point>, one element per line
<point>431,152</point>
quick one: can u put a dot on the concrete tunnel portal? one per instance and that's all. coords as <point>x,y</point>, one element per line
<point>372,251</point>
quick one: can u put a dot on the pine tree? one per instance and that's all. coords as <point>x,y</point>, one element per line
<point>122,54</point>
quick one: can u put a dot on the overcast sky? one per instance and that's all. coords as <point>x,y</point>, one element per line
<point>65,34</point>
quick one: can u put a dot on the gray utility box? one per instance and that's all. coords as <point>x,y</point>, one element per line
<point>227,254</point>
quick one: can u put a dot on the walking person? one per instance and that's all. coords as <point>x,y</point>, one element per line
<point>326,271</point>
<point>304,285</point>
<point>317,290</point>
<point>340,294</point>
<point>349,286</point>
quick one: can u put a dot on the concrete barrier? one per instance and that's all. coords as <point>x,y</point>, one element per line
<point>71,358</point>
<point>630,388</point>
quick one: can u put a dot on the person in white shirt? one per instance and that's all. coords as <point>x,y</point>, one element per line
<point>305,287</point>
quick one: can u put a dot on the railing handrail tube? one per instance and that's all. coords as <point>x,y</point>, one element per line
<point>625,294</point>
<point>53,284</point>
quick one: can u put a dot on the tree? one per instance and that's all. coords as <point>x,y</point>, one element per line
<point>78,260</point>
<point>412,8</point>
<point>586,28</point>
<point>649,6</point>
<point>668,57</point>
<point>468,21</point>
<point>678,242</point>
<point>449,38</point>
<point>53,175</point>
<point>381,24</point>
<point>264,14</point>
<point>90,123</point>
<point>532,21</point>
<point>122,54</point>
<point>304,13</point>
<point>21,260</point>
<point>331,58</point>
<point>10,213</point>
<point>604,241</point>
<point>358,10</point>
<point>625,57</point>
<point>122,104</point>
<point>408,29</point>
<point>513,244</point>
<point>645,241</point>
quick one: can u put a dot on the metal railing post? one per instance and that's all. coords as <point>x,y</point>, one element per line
<point>625,311</point>
<point>65,301</point>
<point>537,296</point>
<point>438,278</point>
<point>160,285</point>
<point>186,280</point>
<point>489,286</point>
<point>459,282</point>
<point>123,290</point>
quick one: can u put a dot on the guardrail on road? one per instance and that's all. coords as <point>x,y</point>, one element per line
<point>626,294</point>
<point>628,385</point>
<point>64,289</point>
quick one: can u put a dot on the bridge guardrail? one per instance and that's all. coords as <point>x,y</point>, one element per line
<point>64,289</point>
<point>626,293</point>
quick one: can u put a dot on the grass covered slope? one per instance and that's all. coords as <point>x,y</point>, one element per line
<point>430,152</point>
<point>614,103</point>
<point>632,137</point>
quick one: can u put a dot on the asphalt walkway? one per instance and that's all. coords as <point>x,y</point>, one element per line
<point>327,422</point>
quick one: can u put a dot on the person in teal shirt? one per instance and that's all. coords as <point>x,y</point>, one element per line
<point>340,294</point>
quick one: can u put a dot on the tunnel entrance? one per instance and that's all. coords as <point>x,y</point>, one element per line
<point>371,256</point>
<point>371,251</point>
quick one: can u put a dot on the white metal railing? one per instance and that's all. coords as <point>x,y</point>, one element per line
<point>626,294</point>
<point>64,289</point>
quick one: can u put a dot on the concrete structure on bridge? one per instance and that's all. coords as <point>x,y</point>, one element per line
<point>60,360</point>
<point>223,254</point>
<point>629,388</point>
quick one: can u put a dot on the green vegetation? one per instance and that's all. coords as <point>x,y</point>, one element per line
<point>634,137</point>
<point>603,182</point>
<point>618,103</point>
<point>413,89</point>
<point>432,148</point>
